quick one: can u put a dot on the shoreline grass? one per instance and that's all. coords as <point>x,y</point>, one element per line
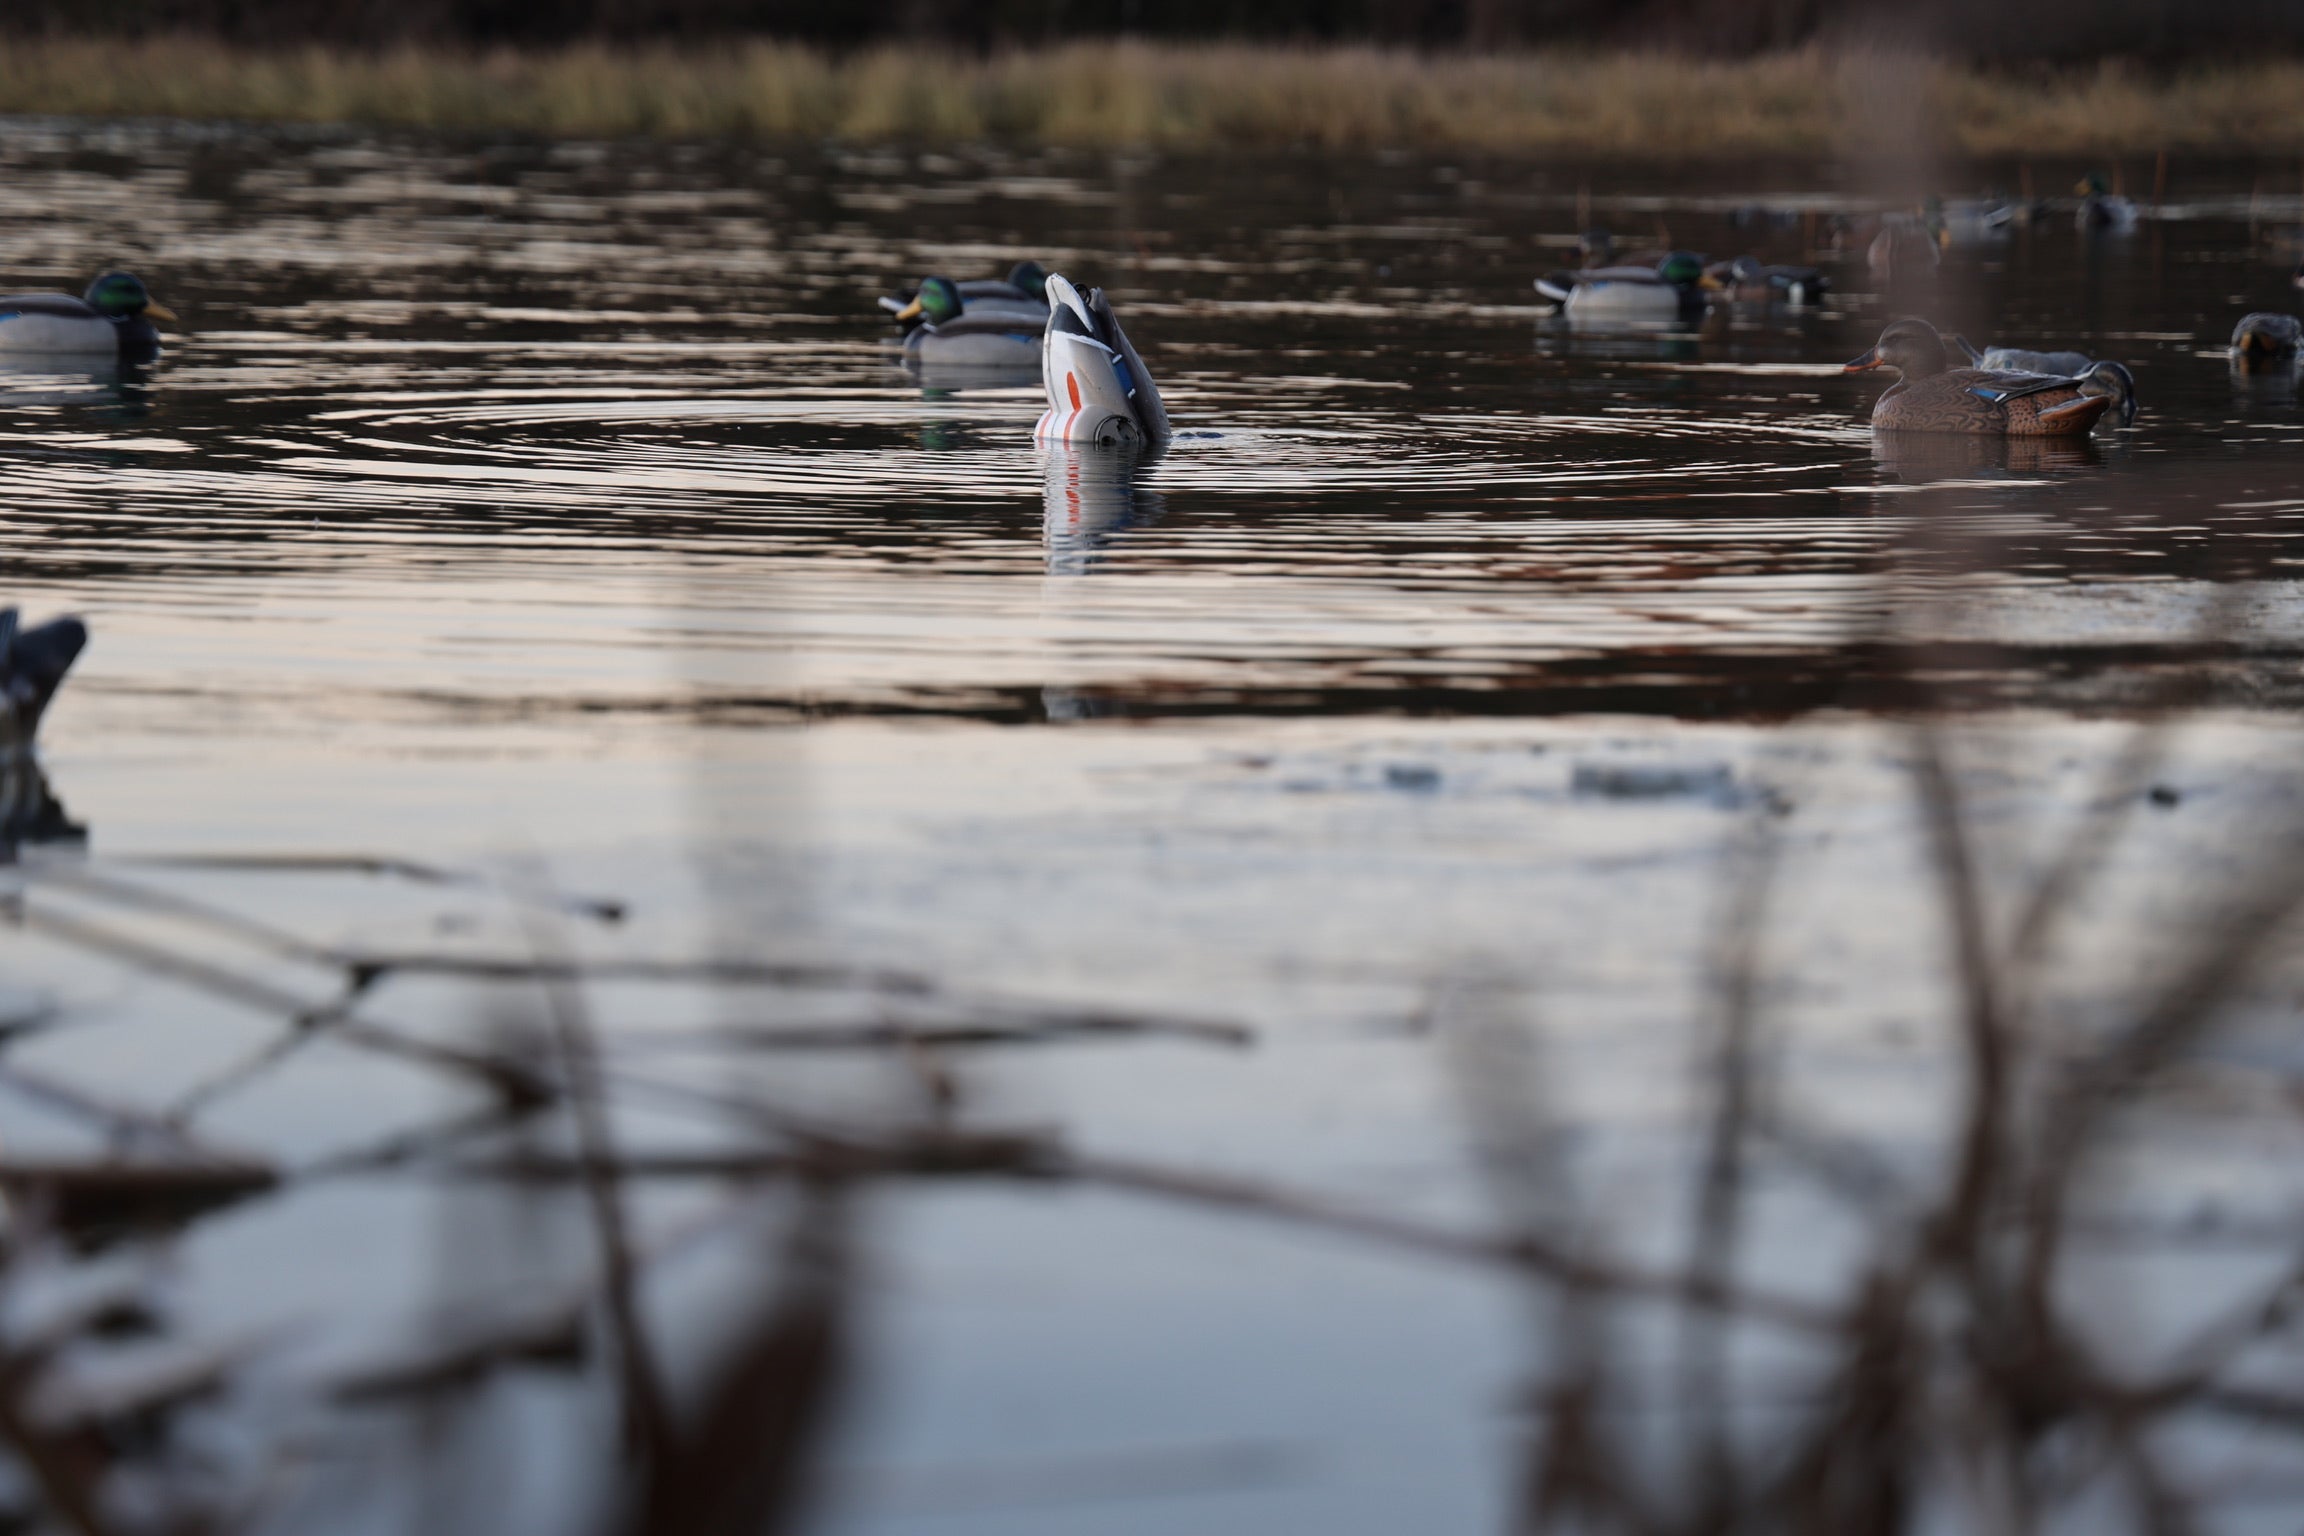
<point>1182,97</point>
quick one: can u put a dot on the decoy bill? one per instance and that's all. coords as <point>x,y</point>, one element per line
<point>113,320</point>
<point>1932,396</point>
<point>1099,391</point>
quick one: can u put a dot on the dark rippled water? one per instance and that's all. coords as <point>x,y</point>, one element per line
<point>565,507</point>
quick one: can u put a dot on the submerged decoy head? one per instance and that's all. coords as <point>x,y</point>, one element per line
<point>1910,346</point>
<point>1029,277</point>
<point>2265,338</point>
<point>123,296</point>
<point>937,302</point>
<point>2116,382</point>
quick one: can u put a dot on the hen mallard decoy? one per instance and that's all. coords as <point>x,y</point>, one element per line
<point>1671,290</point>
<point>114,320</point>
<point>32,665</point>
<point>2265,339</point>
<point>2103,209</point>
<point>1099,391</point>
<point>1746,280</point>
<point>1905,250</point>
<point>943,328</point>
<point>2113,378</point>
<point>1933,396</point>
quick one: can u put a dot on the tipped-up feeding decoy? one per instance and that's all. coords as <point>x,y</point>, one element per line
<point>2103,209</point>
<point>113,321</point>
<point>1099,391</point>
<point>2113,378</point>
<point>32,664</point>
<point>2265,339</point>
<point>943,328</point>
<point>1933,396</point>
<point>1746,280</point>
<point>1023,292</point>
<point>1671,290</point>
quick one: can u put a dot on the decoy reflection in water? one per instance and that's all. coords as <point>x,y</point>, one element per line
<point>1923,458</point>
<point>1100,394</point>
<point>1671,291</point>
<point>114,320</point>
<point>1933,396</point>
<point>1090,497</point>
<point>2112,378</point>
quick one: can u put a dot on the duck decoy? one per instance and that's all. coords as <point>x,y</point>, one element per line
<point>1671,290</point>
<point>2266,339</point>
<point>1747,281</point>
<point>2113,378</point>
<point>2102,209</point>
<point>1968,220</point>
<point>1099,391</point>
<point>32,665</point>
<point>114,320</point>
<point>1933,396</point>
<point>1905,250</point>
<point>1022,292</point>
<point>942,328</point>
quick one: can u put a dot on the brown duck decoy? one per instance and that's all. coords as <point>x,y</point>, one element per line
<point>1933,396</point>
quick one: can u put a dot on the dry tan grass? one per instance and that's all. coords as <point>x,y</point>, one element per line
<point>1178,97</point>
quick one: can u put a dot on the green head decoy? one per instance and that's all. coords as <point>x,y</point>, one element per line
<point>1681,269</point>
<point>123,296</point>
<point>1910,346</point>
<point>1031,278</point>
<point>937,302</point>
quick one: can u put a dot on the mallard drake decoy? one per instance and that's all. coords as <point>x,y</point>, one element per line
<point>1099,391</point>
<point>947,330</point>
<point>1933,396</point>
<point>2102,209</point>
<point>113,320</point>
<point>2113,378</point>
<point>32,664</point>
<point>2266,338</point>
<point>1023,292</point>
<point>1671,290</point>
<point>1747,281</point>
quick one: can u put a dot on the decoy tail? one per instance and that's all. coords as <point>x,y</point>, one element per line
<point>1975,353</point>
